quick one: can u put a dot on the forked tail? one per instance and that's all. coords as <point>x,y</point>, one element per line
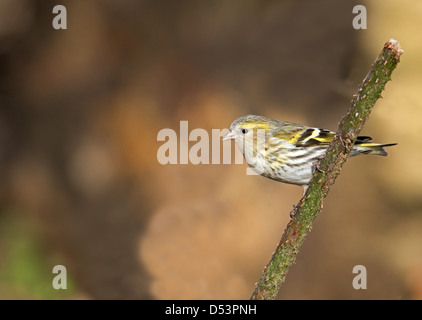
<point>364,146</point>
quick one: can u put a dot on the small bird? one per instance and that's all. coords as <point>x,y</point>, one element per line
<point>286,151</point>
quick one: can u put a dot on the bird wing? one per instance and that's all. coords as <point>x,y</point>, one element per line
<point>302,136</point>
<point>289,133</point>
<point>314,137</point>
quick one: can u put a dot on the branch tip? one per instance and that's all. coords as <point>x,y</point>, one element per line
<point>394,46</point>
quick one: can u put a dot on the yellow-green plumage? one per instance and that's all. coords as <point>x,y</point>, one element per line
<point>286,151</point>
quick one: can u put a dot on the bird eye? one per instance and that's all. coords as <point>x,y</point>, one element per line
<point>244,131</point>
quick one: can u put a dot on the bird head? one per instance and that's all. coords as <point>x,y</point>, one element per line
<point>249,132</point>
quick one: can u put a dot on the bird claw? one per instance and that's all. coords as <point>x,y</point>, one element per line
<point>293,212</point>
<point>315,165</point>
<point>296,206</point>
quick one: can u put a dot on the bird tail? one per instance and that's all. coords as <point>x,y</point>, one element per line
<point>363,146</point>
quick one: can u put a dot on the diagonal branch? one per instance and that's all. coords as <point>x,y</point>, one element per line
<point>329,168</point>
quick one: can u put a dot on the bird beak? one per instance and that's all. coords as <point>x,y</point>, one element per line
<point>229,135</point>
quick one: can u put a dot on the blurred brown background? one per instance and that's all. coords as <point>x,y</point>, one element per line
<point>80,110</point>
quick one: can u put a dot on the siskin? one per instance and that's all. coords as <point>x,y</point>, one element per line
<point>287,152</point>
